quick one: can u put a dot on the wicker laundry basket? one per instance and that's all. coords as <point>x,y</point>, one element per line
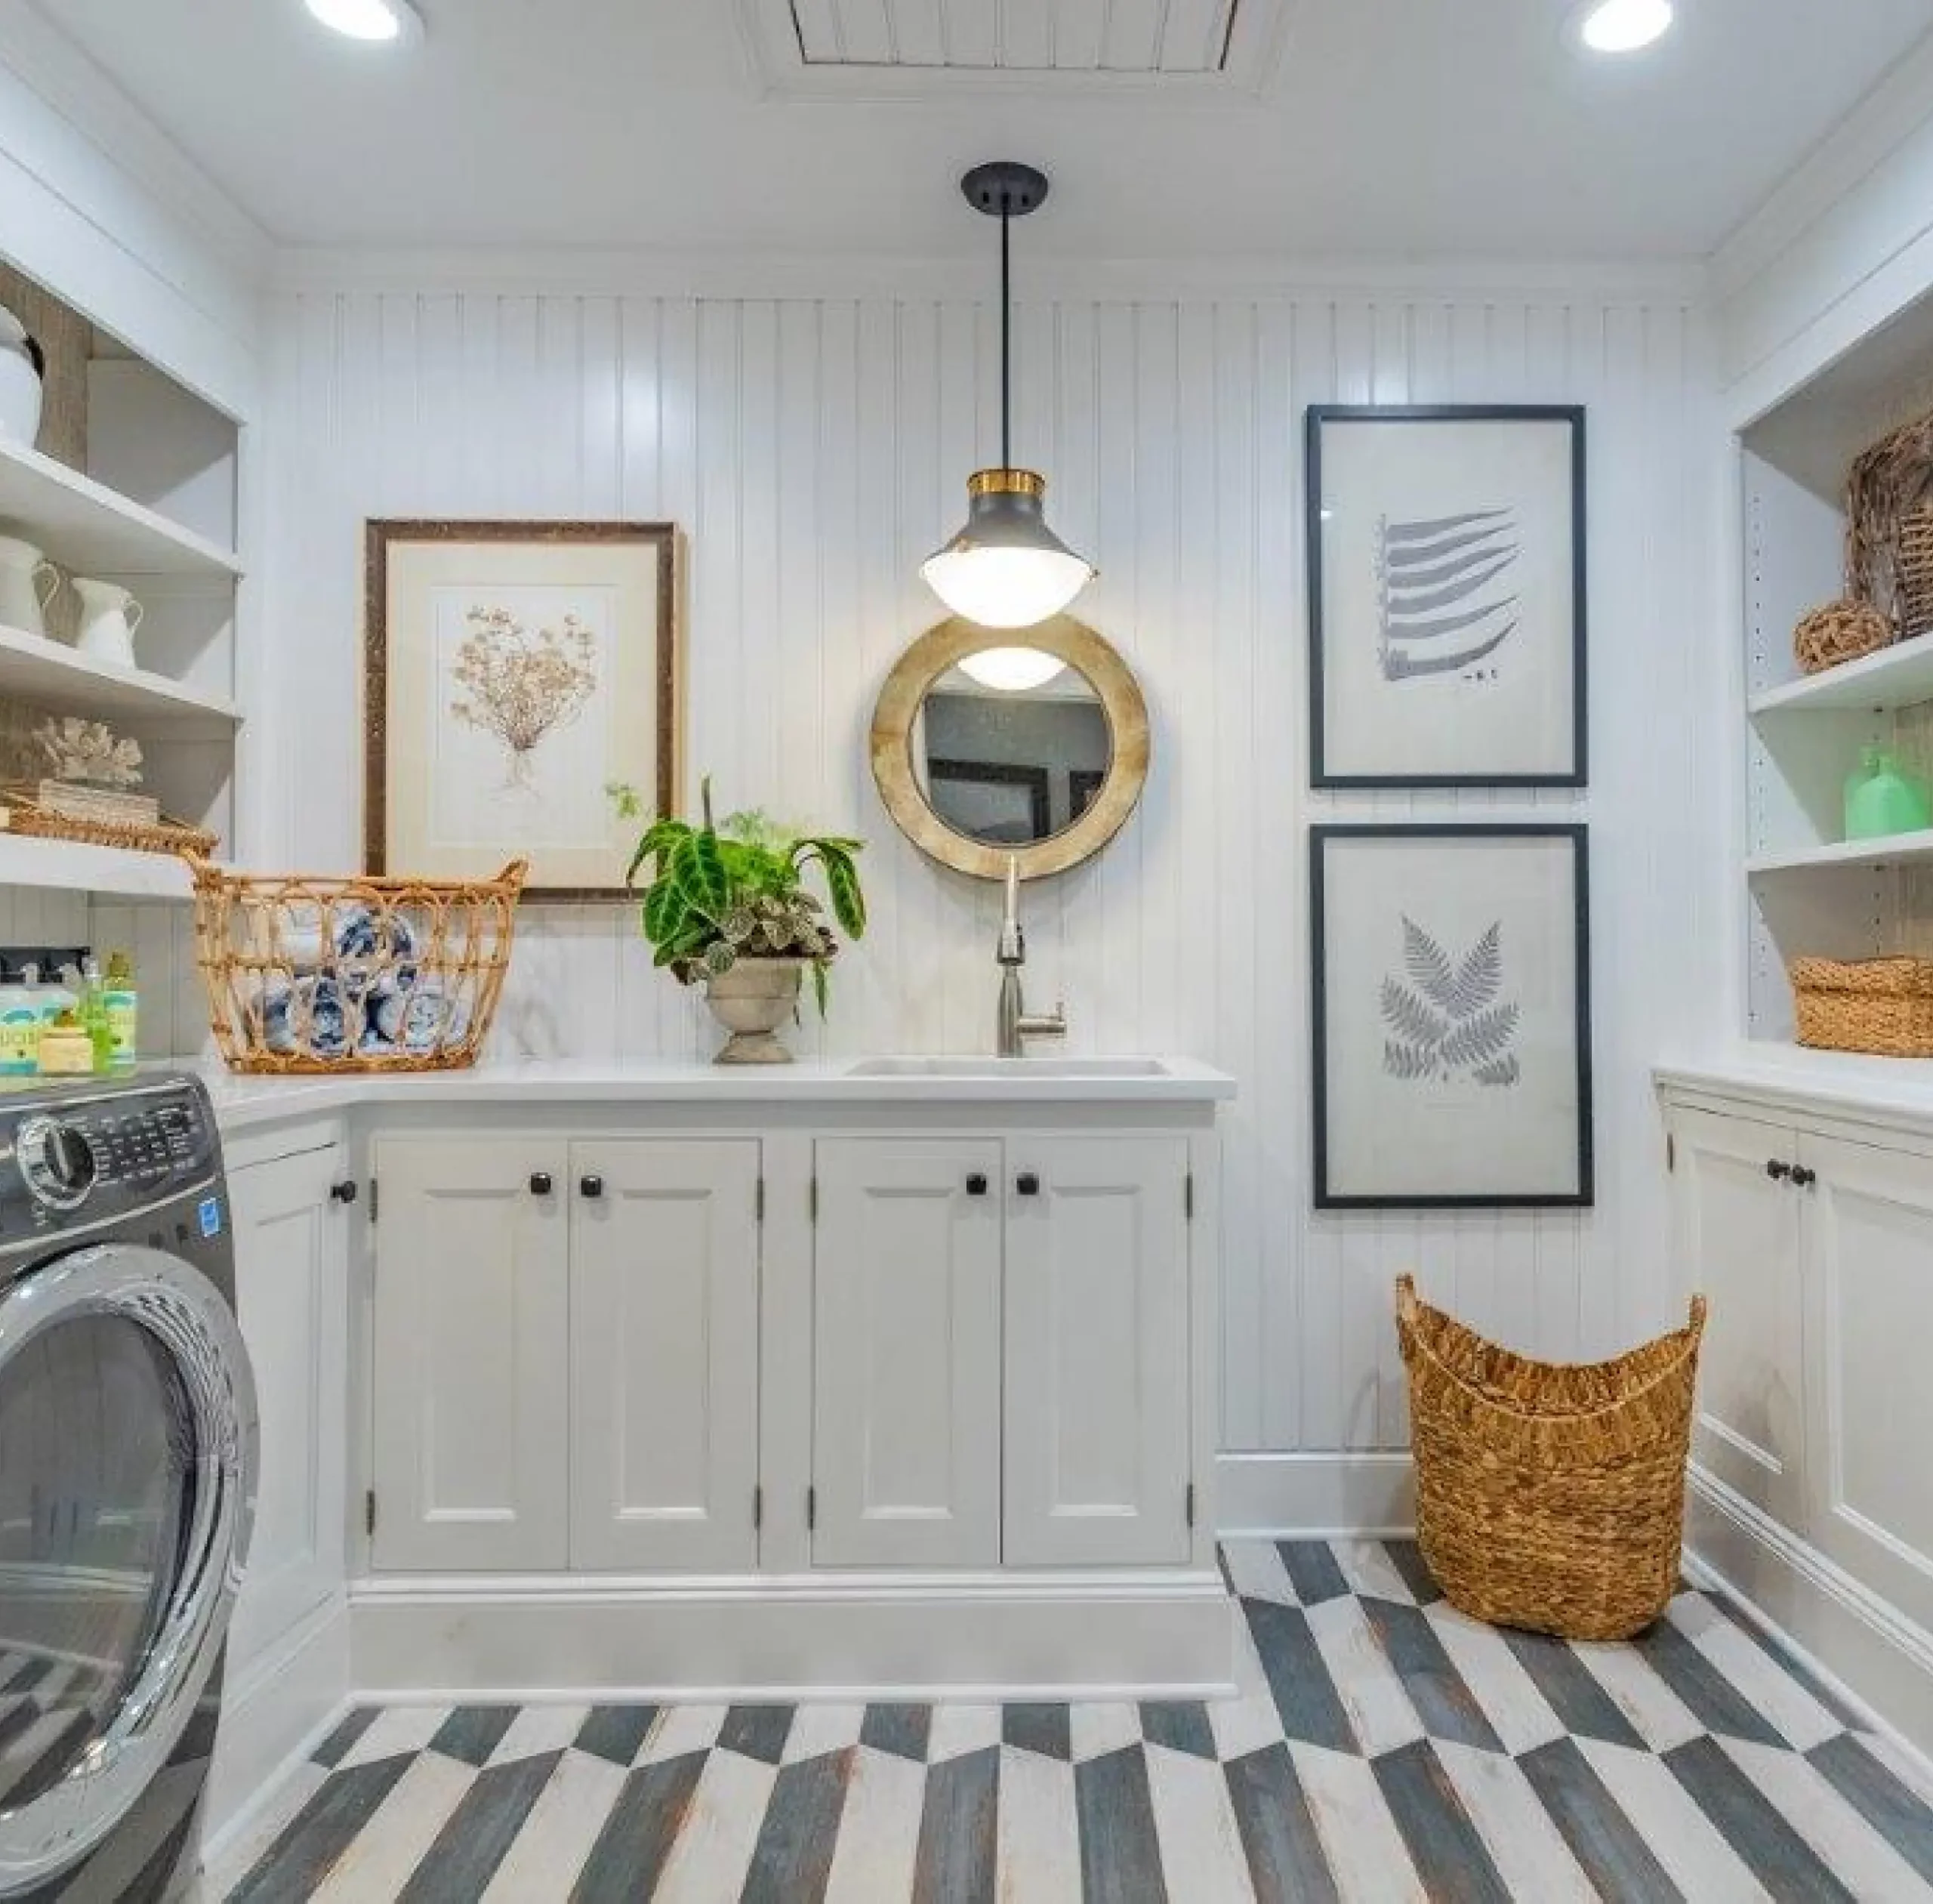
<point>1883,1006</point>
<point>319,975</point>
<point>1548,1497</point>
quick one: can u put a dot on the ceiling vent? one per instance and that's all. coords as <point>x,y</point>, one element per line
<point>883,49</point>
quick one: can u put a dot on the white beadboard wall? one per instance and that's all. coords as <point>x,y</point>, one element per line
<point>813,451</point>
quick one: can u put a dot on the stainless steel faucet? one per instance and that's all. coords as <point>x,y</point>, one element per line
<point>1014,1026</point>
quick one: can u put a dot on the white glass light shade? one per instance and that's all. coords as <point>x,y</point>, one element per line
<point>1624,26</point>
<point>375,20</point>
<point>1012,670</point>
<point>1005,569</point>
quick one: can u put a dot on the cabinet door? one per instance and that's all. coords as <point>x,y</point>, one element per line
<point>664,1264</point>
<point>1097,1444</point>
<point>472,1355</point>
<point>1736,1237</point>
<point>291,1274</point>
<point>906,1354</point>
<point>1868,1271</point>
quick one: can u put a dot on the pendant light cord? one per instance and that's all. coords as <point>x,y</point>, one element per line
<point>1005,331</point>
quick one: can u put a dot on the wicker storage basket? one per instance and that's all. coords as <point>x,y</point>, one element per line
<point>1915,572</point>
<point>1883,1006</point>
<point>1547,1497</point>
<point>331,975</point>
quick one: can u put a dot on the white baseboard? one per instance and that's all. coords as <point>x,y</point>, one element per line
<point>1855,1641</point>
<point>273,1713</point>
<point>1316,1496</point>
<point>1137,1637</point>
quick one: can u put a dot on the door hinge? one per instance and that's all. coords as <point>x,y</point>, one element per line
<point>758,1201</point>
<point>1188,1196</point>
<point>812,1507</point>
<point>1670,1151</point>
<point>1191,1503</point>
<point>813,1199</point>
<point>369,1513</point>
<point>758,1507</point>
<point>375,1199</point>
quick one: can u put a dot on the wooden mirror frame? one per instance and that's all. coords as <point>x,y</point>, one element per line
<point>905,693</point>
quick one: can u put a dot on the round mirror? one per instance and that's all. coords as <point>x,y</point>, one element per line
<point>1031,745</point>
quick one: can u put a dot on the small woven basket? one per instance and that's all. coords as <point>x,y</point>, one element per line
<point>1549,1497</point>
<point>307,975</point>
<point>1883,1006</point>
<point>1841,631</point>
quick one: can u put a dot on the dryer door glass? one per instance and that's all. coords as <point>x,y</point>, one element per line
<point>127,1453</point>
<point>97,1473</point>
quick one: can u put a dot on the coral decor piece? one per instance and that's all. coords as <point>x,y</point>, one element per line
<point>89,751</point>
<point>522,687</point>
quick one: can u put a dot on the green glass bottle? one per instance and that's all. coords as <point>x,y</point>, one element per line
<point>1888,802</point>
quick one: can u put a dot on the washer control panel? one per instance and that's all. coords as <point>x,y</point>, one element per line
<point>109,1154</point>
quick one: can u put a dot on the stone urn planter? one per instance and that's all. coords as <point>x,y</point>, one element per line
<point>751,1001</point>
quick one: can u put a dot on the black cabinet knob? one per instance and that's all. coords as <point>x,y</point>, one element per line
<point>977,1185</point>
<point>1027,1184</point>
<point>1777,1170</point>
<point>540,1182</point>
<point>343,1192</point>
<point>1803,1178</point>
<point>591,1187</point>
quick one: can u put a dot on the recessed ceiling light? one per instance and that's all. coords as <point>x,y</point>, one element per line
<point>1618,26</point>
<point>379,21</point>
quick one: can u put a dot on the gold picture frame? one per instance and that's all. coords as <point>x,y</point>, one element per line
<point>485,644</point>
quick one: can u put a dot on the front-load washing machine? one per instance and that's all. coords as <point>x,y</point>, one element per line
<point>128,1448</point>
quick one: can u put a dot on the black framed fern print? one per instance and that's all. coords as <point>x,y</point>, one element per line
<point>1447,596</point>
<point>1451,1016</point>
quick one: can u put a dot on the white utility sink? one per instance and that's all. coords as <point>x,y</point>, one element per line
<point>970,1067</point>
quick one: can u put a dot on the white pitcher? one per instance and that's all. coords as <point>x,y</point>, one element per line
<point>28,582</point>
<point>109,615</point>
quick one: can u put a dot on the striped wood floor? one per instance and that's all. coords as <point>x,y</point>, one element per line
<point>1382,1748</point>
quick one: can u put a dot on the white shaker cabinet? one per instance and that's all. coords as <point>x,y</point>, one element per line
<point>291,1264</point>
<point>1096,1383</point>
<point>1736,1224</point>
<point>664,1374</point>
<point>906,1377</point>
<point>471,1434</point>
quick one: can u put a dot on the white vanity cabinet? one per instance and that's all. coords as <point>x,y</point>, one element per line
<point>566,1354</point>
<point>1810,1227</point>
<point>291,1235</point>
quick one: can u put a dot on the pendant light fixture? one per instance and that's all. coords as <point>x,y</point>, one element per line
<point>1005,569</point>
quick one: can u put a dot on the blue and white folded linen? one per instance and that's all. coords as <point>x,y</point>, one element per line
<point>307,1015</point>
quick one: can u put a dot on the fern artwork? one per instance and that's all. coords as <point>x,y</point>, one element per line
<point>1450,1016</point>
<point>1447,1018</point>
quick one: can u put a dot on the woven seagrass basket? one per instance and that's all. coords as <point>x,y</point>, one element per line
<point>1882,1006</point>
<point>1915,572</point>
<point>1549,1497</point>
<point>1841,631</point>
<point>312,975</point>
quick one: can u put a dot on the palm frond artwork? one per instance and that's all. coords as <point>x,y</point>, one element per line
<point>1444,585</point>
<point>1446,1019</point>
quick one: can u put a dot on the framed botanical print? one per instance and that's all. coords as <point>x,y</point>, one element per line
<point>515,672</point>
<point>1447,587</point>
<point>1452,1016</point>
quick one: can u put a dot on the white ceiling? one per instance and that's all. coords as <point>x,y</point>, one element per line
<point>1140,36</point>
<point>1422,126</point>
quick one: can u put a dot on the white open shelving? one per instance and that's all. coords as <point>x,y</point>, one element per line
<point>34,669</point>
<point>1895,677</point>
<point>1888,850</point>
<point>68,865</point>
<point>89,528</point>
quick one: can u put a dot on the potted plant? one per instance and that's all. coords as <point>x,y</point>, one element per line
<point>727,904</point>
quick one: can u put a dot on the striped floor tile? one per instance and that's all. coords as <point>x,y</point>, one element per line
<point>1381,1746</point>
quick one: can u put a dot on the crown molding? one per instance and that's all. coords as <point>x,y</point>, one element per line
<point>94,106</point>
<point>817,276</point>
<point>1890,114</point>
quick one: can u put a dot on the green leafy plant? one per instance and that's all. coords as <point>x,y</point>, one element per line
<point>735,889</point>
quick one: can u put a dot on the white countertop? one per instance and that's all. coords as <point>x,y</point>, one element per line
<point>240,1102</point>
<point>1891,1090</point>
